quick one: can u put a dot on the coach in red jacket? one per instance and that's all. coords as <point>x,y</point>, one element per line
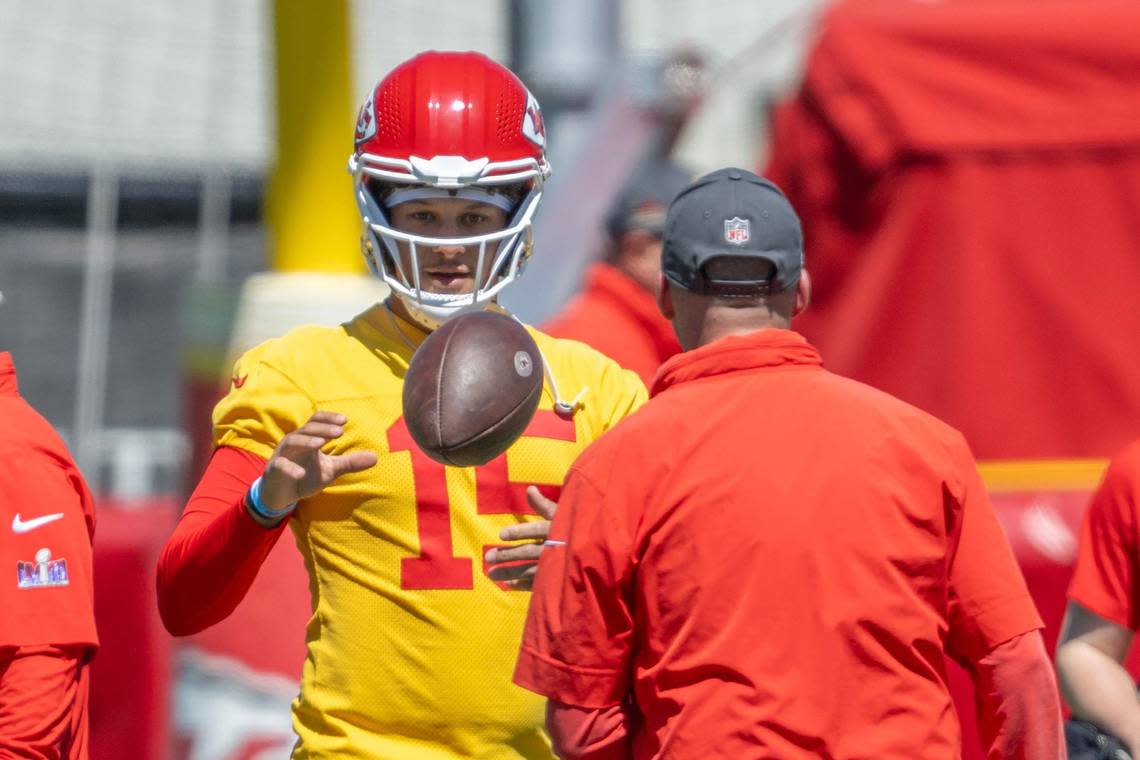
<point>769,560</point>
<point>47,618</point>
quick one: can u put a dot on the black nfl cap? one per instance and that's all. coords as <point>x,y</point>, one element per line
<point>641,203</point>
<point>732,213</point>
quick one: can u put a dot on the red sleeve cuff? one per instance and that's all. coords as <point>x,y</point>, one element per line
<point>1001,621</point>
<point>580,733</point>
<point>1019,712</point>
<point>582,687</point>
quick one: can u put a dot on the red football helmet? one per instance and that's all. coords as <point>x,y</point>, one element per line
<point>457,122</point>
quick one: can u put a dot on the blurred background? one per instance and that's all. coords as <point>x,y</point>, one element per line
<point>138,145</point>
<point>173,190</point>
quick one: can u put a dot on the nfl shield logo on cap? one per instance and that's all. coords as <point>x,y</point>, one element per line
<point>736,231</point>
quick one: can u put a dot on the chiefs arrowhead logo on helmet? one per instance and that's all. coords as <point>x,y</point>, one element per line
<point>366,122</point>
<point>533,128</point>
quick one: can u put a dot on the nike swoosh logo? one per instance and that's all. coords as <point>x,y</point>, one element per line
<point>23,526</point>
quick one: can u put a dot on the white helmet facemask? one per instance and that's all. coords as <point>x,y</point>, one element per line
<point>502,255</point>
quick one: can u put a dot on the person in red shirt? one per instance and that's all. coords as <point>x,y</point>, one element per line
<point>1104,611</point>
<point>769,560</point>
<point>616,312</point>
<point>47,623</point>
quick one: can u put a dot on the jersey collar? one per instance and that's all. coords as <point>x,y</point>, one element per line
<point>763,349</point>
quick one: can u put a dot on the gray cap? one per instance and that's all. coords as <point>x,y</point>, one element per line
<point>732,212</point>
<point>641,203</point>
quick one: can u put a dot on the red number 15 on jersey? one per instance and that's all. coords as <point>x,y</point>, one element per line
<point>436,566</point>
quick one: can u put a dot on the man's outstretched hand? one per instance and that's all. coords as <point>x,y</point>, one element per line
<point>298,468</point>
<point>523,559</point>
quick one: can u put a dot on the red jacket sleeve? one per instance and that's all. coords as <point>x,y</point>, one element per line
<point>578,642</point>
<point>1104,576</point>
<point>43,702</point>
<point>213,556</point>
<point>586,733</point>
<point>1019,710</point>
<point>989,602</point>
<point>46,592</point>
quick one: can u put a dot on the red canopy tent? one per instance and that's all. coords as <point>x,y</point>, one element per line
<point>968,175</point>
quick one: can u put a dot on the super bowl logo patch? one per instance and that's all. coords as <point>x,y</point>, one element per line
<point>533,127</point>
<point>43,572</point>
<point>737,231</point>
<point>366,121</point>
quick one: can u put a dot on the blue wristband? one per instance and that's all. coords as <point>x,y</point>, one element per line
<point>259,506</point>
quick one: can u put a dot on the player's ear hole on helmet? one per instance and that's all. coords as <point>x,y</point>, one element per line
<point>366,249</point>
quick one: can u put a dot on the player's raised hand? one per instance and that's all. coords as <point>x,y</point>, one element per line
<point>299,469</point>
<point>523,559</point>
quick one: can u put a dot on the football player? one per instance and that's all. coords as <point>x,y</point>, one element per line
<point>47,606</point>
<point>412,640</point>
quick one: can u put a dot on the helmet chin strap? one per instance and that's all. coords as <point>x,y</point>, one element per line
<point>431,317</point>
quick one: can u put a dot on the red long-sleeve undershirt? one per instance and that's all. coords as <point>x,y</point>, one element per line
<point>213,556</point>
<point>1018,707</point>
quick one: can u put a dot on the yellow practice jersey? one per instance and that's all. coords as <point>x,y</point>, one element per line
<point>411,646</point>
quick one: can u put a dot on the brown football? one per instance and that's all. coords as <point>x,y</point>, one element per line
<point>472,388</point>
